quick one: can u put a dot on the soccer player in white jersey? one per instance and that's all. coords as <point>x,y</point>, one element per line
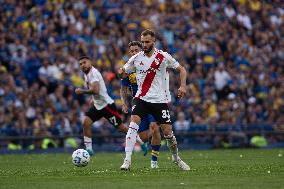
<point>151,66</point>
<point>103,104</point>
<point>148,127</point>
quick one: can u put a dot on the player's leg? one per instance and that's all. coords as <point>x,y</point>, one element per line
<point>162,115</point>
<point>155,144</point>
<point>113,116</point>
<point>138,112</point>
<point>130,141</point>
<point>87,131</point>
<point>123,128</point>
<point>144,137</point>
<point>91,116</point>
<point>144,133</point>
<point>172,145</point>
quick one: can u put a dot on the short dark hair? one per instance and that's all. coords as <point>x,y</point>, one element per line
<point>84,57</point>
<point>148,32</point>
<point>135,43</point>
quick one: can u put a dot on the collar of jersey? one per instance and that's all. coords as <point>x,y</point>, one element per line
<point>155,51</point>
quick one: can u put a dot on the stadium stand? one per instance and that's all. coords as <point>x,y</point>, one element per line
<point>233,51</point>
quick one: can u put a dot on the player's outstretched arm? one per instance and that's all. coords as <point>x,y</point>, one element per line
<point>123,94</point>
<point>94,89</point>
<point>182,73</point>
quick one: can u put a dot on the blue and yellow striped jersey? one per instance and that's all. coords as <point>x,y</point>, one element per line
<point>130,82</point>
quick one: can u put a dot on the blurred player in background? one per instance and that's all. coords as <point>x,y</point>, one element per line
<point>150,66</point>
<point>103,104</point>
<point>148,127</point>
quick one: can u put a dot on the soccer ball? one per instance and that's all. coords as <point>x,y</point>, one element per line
<point>80,158</point>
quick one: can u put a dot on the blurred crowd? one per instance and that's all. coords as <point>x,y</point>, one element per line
<point>233,51</point>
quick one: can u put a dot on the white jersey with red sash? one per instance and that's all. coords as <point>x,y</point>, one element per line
<point>151,75</point>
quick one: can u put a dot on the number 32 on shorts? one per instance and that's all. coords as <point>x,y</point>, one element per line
<point>166,115</point>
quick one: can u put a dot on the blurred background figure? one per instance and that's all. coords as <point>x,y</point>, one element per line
<point>181,126</point>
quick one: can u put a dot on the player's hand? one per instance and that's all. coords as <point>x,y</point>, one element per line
<point>181,91</point>
<point>121,73</point>
<point>124,108</point>
<point>78,91</point>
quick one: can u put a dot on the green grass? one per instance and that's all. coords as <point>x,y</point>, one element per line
<point>210,169</point>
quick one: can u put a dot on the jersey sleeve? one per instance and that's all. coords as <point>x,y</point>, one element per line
<point>170,61</point>
<point>125,82</point>
<point>129,66</point>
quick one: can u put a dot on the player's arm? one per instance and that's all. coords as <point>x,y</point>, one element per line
<point>182,75</point>
<point>172,63</point>
<point>124,93</point>
<point>121,73</point>
<point>127,68</point>
<point>94,89</point>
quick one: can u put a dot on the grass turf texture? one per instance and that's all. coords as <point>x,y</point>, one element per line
<point>210,169</point>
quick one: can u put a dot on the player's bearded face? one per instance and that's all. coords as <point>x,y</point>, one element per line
<point>148,43</point>
<point>85,65</point>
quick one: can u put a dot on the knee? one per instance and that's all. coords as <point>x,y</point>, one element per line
<point>155,129</point>
<point>87,122</point>
<point>144,136</point>
<point>122,128</point>
<point>154,126</point>
<point>167,130</point>
<point>136,119</point>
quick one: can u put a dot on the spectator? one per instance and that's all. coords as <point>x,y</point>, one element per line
<point>221,78</point>
<point>181,125</point>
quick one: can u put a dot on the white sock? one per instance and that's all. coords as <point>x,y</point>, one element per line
<point>88,143</point>
<point>175,156</point>
<point>172,145</point>
<point>131,137</point>
<point>139,140</point>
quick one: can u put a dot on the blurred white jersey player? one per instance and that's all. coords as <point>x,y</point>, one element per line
<point>103,104</point>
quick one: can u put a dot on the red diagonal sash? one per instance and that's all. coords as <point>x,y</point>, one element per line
<point>151,73</point>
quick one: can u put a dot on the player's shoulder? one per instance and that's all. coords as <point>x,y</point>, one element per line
<point>164,53</point>
<point>94,71</point>
<point>160,51</point>
<point>134,57</point>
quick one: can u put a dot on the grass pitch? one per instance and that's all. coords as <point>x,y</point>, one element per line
<point>222,169</point>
